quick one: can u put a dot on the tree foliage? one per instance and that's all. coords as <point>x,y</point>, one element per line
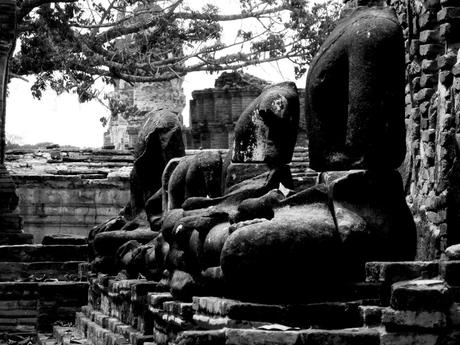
<point>157,40</point>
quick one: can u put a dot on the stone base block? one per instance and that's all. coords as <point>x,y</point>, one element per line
<point>11,238</point>
<point>421,295</point>
<point>100,329</point>
<point>257,336</point>
<point>395,320</point>
<point>450,272</point>
<point>392,272</point>
<point>318,315</point>
<point>408,338</point>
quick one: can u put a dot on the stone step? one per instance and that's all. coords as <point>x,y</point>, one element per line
<point>328,315</point>
<point>59,301</point>
<point>38,252</point>
<point>300,157</point>
<point>28,306</point>
<point>64,239</point>
<point>277,336</point>
<point>63,336</point>
<point>298,164</point>
<point>18,291</point>
<point>38,271</point>
<point>46,339</point>
<point>99,328</point>
<point>299,169</point>
<point>392,272</point>
<point>18,307</point>
<point>300,149</point>
<point>68,212</point>
<point>7,238</point>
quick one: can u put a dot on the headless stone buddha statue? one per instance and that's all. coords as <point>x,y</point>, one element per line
<point>320,238</point>
<point>260,244</point>
<point>355,92</point>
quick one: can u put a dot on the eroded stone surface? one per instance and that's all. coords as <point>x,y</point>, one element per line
<point>267,130</point>
<point>421,295</point>
<point>363,128</point>
<point>411,319</point>
<point>453,252</point>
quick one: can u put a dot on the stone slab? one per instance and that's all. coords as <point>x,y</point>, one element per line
<point>13,291</point>
<point>413,320</point>
<point>304,337</point>
<point>63,239</point>
<point>8,238</point>
<point>409,338</point>
<point>391,272</point>
<point>318,315</point>
<point>38,252</point>
<point>10,271</point>
<point>424,294</point>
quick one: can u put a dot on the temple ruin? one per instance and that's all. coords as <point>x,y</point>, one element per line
<point>122,133</point>
<point>214,111</point>
<point>238,245</point>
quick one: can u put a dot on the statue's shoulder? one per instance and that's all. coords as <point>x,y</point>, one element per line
<point>373,18</point>
<point>372,27</point>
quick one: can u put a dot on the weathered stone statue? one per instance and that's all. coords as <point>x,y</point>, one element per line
<point>307,245</point>
<point>266,131</point>
<point>321,237</point>
<point>258,241</point>
<point>160,140</point>
<point>264,140</point>
<point>355,92</point>
<point>203,199</point>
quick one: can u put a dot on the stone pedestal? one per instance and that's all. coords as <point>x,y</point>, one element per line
<point>10,224</point>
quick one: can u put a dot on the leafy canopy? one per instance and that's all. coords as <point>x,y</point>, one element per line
<point>157,40</point>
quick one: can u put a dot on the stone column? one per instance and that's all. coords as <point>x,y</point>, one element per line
<point>10,224</point>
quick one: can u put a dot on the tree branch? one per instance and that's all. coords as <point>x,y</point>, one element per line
<point>116,32</point>
<point>230,17</point>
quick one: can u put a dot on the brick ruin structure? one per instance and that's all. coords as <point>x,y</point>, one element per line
<point>395,303</point>
<point>148,98</point>
<point>214,111</point>
<point>122,133</point>
<point>431,170</point>
<point>68,191</point>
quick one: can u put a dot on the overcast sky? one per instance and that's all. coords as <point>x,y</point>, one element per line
<point>63,120</point>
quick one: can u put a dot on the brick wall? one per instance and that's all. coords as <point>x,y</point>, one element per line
<point>69,192</point>
<point>214,112</point>
<point>431,170</point>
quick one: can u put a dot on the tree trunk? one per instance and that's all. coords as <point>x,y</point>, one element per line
<point>10,223</point>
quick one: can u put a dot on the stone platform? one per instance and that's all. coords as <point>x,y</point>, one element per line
<point>41,284</point>
<point>400,303</point>
<point>70,191</point>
